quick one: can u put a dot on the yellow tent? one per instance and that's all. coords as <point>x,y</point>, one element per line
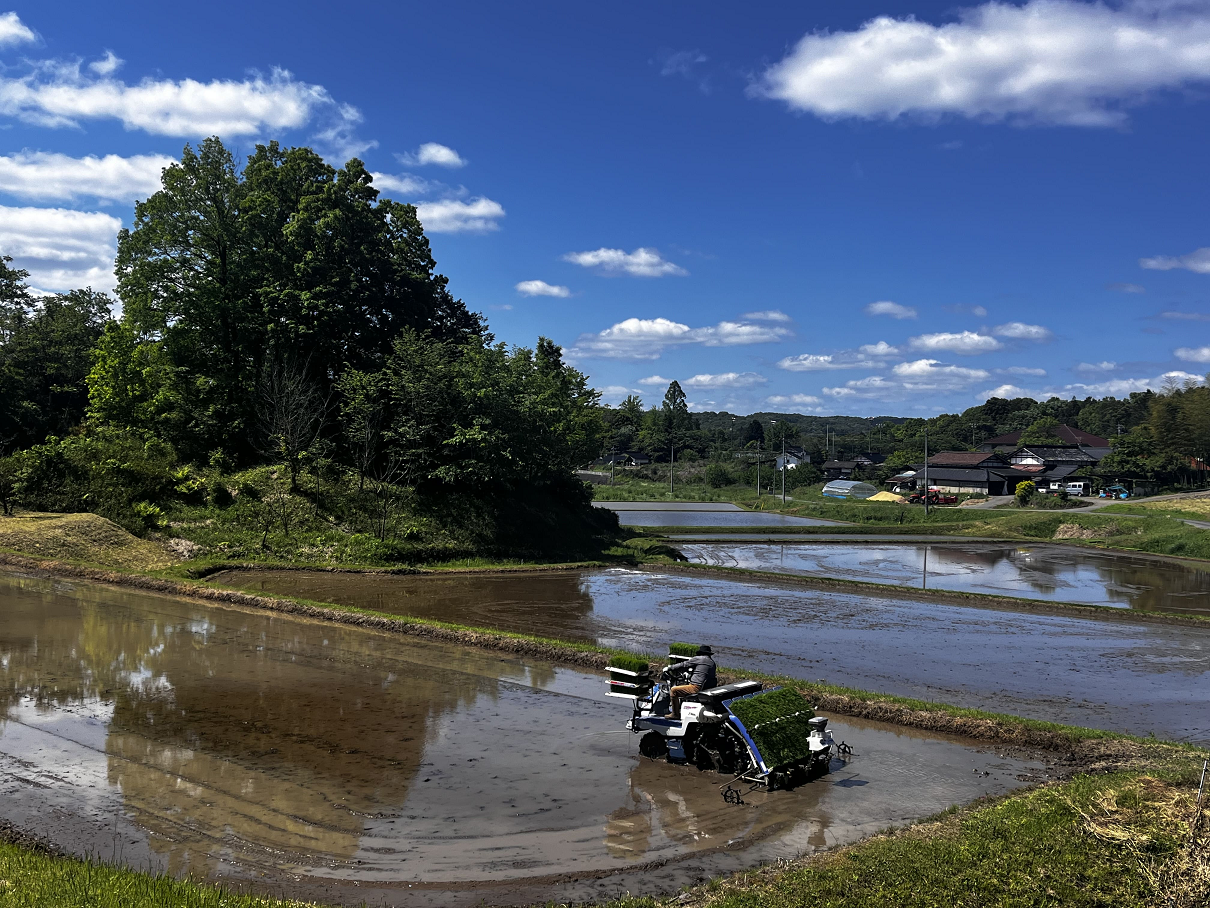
<point>886,496</point>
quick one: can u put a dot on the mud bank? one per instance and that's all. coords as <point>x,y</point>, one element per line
<point>276,754</point>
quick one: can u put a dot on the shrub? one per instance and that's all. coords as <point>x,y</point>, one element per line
<point>718,476</point>
<point>1025,492</point>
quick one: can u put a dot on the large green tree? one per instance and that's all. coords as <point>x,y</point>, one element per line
<point>287,263</point>
<point>45,354</point>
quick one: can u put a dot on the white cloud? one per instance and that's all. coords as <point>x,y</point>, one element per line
<point>819,362</point>
<point>107,65</point>
<point>682,62</point>
<point>614,394</point>
<point>61,249</point>
<point>478,215</point>
<point>1021,370</point>
<point>58,94</point>
<point>894,310</point>
<point>1120,387</point>
<point>1186,316</point>
<point>45,175</point>
<point>916,377</point>
<point>646,338</point>
<point>1103,366</point>
<point>14,31</point>
<point>768,315</point>
<point>433,153</point>
<point>1115,387</point>
<point>1022,331</point>
<point>655,381</point>
<point>967,343</point>
<point>541,288</point>
<point>882,348</point>
<point>801,400</point>
<point>643,262</point>
<point>405,185</point>
<point>1198,261</point>
<point>725,380</point>
<point>1193,354</point>
<point>1126,288</point>
<point>1010,392</point>
<point>1046,61</point>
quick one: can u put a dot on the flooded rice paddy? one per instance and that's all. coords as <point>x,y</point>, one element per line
<point>1050,572</point>
<point>347,765</point>
<point>1115,674</point>
<point>701,514</point>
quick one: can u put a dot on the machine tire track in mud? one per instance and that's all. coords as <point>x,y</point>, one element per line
<point>770,738</point>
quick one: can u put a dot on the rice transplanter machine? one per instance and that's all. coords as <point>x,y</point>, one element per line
<point>767,737</point>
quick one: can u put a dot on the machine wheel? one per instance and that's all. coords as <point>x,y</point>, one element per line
<point>653,746</point>
<point>722,750</point>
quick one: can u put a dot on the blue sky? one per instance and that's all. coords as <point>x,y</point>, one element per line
<point>889,208</point>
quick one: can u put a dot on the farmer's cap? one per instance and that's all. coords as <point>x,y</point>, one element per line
<point>705,651</point>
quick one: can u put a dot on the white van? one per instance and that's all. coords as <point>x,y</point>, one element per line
<point>1079,489</point>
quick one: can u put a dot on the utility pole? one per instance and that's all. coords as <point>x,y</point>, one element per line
<point>672,469</point>
<point>758,470</point>
<point>783,469</point>
<point>613,466</point>
<point>926,470</point>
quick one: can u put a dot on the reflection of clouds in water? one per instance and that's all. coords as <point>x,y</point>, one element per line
<point>1044,572</point>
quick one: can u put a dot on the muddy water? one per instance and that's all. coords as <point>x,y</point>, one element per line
<point>1121,675</point>
<point>1054,573</point>
<point>346,765</point>
<point>701,514</point>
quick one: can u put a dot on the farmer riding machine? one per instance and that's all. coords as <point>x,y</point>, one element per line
<point>768,737</point>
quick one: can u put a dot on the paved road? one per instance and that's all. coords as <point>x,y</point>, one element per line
<point>1098,503</point>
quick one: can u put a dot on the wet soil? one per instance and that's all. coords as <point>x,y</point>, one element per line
<point>1144,677</point>
<point>278,754</point>
<point>1052,573</point>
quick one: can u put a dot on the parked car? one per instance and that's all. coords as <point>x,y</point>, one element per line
<point>935,497</point>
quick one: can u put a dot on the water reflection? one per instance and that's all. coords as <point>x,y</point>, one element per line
<point>1053,573</point>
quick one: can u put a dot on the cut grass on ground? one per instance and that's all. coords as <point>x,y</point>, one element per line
<point>81,538</point>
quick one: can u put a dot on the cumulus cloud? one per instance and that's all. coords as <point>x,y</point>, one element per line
<point>1198,261</point>
<point>908,378</point>
<point>643,262</point>
<point>1126,288</point>
<point>681,63</point>
<point>614,394</point>
<point>966,343</point>
<point>406,185</point>
<point>1186,316</point>
<point>798,400</point>
<point>45,175</point>
<point>541,288</point>
<point>61,249</point>
<point>1021,370</point>
<point>655,381</point>
<point>1046,61</point>
<point>1193,354</point>
<point>768,315</point>
<point>725,380</point>
<point>432,153</point>
<point>819,362</point>
<point>646,338</point>
<point>1103,366</point>
<point>478,215</point>
<point>882,348</point>
<point>57,94</point>
<point>1022,331</point>
<point>894,310</point>
<point>14,31</point>
<point>1116,387</point>
<point>107,65</point>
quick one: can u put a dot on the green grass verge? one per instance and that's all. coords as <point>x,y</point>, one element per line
<point>30,879</point>
<point>1093,842</point>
